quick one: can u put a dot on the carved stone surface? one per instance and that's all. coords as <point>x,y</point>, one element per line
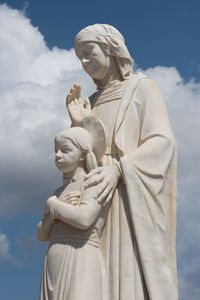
<point>112,227</point>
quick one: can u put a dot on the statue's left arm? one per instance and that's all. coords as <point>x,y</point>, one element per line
<point>152,138</point>
<point>149,173</point>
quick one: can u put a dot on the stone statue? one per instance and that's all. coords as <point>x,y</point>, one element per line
<point>137,171</point>
<point>74,219</point>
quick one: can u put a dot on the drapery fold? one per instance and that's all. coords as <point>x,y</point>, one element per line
<point>143,212</point>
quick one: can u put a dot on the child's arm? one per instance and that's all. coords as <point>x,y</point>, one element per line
<point>82,216</point>
<point>44,228</point>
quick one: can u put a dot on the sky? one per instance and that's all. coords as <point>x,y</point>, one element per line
<point>37,68</point>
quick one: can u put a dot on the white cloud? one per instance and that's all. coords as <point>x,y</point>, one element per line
<point>34,81</point>
<point>4,248</point>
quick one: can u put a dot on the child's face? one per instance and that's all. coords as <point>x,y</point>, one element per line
<point>67,155</point>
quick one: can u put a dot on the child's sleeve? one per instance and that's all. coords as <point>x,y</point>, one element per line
<point>44,228</point>
<point>81,216</point>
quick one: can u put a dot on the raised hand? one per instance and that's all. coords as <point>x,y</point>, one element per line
<point>76,108</point>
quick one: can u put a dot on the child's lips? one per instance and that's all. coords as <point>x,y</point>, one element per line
<point>58,161</point>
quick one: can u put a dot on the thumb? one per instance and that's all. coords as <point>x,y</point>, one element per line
<point>87,104</point>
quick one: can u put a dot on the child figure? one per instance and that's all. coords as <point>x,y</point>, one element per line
<point>73,222</point>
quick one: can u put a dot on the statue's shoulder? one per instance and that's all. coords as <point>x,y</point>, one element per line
<point>143,85</point>
<point>134,82</point>
<point>145,82</point>
<point>148,94</point>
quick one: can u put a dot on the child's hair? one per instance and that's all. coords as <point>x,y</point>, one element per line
<point>83,141</point>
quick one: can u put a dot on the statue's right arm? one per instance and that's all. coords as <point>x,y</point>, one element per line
<point>44,228</point>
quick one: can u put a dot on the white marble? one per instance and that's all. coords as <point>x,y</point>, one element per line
<point>73,220</point>
<point>137,172</point>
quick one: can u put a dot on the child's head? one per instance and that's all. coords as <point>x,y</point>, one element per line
<point>73,148</point>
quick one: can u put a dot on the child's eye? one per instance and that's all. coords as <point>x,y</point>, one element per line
<point>65,150</point>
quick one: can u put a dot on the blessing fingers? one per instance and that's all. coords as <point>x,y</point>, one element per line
<point>70,96</point>
<point>75,93</point>
<point>77,90</point>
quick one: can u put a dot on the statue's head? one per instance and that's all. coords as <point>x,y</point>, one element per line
<point>81,146</point>
<point>74,148</point>
<point>96,44</point>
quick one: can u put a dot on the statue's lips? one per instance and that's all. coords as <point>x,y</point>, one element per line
<point>90,68</point>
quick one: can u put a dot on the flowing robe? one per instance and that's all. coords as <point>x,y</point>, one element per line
<point>138,241</point>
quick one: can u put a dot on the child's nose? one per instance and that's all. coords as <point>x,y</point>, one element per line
<point>58,154</point>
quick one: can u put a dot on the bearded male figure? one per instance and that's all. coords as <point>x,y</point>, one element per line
<point>137,172</point>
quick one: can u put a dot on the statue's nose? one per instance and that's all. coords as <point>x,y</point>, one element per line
<point>84,61</point>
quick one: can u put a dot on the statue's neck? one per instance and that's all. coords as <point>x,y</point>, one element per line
<point>112,76</point>
<point>68,176</point>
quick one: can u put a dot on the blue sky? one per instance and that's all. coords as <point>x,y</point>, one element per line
<point>157,32</point>
<point>38,67</point>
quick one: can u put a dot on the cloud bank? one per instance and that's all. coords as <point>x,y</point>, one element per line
<point>34,81</point>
